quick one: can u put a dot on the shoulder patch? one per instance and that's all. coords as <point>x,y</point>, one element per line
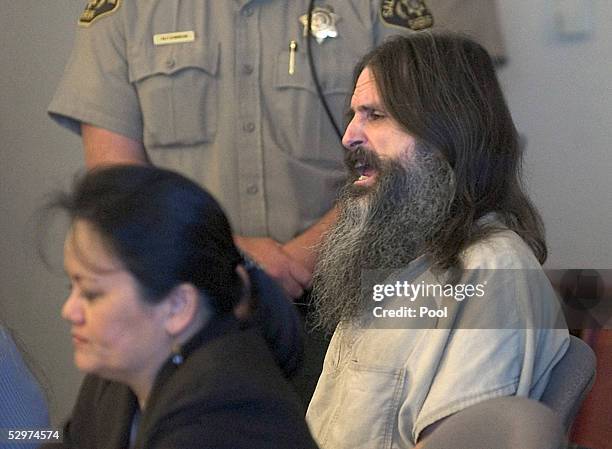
<point>96,9</point>
<point>410,14</point>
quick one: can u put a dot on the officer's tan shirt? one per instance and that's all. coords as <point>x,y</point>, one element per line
<point>220,106</point>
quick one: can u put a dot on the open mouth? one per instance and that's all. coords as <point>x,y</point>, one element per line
<point>363,166</point>
<point>366,173</point>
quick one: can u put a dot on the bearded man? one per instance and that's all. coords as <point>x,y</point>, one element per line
<point>434,197</point>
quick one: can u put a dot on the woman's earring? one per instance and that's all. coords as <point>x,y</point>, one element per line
<point>177,357</point>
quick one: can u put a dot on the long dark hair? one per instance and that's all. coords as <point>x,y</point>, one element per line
<point>164,228</point>
<point>443,90</point>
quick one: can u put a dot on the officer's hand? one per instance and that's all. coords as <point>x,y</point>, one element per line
<point>269,254</point>
<point>305,255</point>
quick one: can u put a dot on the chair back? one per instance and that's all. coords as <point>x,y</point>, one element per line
<point>508,422</point>
<point>570,381</point>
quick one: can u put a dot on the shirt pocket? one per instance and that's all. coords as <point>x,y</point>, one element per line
<point>366,414</point>
<point>177,89</point>
<point>303,128</point>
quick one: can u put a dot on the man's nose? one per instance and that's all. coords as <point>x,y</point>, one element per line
<point>353,137</point>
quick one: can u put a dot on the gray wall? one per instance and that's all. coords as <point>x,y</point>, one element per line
<point>559,93</point>
<point>36,157</point>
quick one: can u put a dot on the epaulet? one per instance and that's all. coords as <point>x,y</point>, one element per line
<point>96,9</point>
<point>412,15</point>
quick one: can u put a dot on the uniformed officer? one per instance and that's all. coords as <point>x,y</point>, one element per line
<point>223,92</point>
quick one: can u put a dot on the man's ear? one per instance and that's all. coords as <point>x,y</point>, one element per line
<point>184,310</point>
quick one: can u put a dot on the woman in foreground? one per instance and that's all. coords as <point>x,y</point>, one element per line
<point>156,283</point>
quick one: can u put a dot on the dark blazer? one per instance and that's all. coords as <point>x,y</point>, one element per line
<point>228,394</point>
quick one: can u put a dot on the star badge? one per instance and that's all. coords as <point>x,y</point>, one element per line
<point>322,23</point>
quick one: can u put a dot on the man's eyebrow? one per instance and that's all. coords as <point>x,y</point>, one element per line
<point>364,108</point>
<point>368,107</point>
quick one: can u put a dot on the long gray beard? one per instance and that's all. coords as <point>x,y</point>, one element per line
<point>386,227</point>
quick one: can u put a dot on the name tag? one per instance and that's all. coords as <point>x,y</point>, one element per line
<point>174,38</point>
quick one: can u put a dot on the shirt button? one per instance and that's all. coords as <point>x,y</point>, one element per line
<point>252,189</point>
<point>247,12</point>
<point>249,127</point>
<point>170,63</point>
<point>247,69</point>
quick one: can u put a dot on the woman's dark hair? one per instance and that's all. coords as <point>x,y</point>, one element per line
<point>164,228</point>
<point>443,90</point>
